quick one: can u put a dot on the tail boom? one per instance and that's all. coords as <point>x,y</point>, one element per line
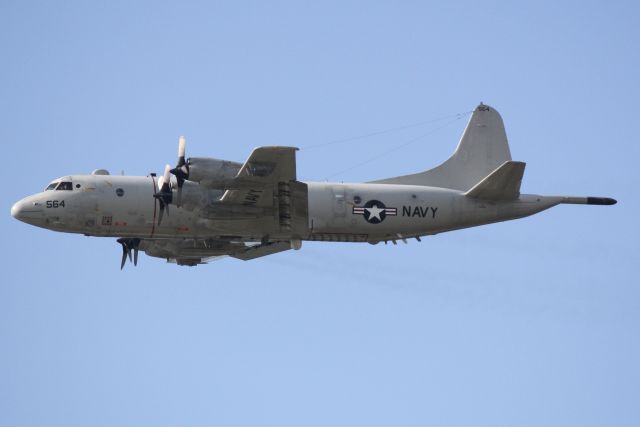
<point>589,201</point>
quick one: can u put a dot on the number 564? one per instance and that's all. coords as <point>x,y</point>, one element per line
<point>55,204</point>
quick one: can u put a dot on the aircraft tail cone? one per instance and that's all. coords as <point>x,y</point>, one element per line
<point>602,201</point>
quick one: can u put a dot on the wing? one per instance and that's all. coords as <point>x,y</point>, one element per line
<point>258,178</point>
<point>266,196</point>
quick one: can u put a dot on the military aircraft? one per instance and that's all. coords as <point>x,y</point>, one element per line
<point>204,207</point>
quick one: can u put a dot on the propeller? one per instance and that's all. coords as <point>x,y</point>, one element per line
<point>128,246</point>
<point>164,195</point>
<point>181,171</point>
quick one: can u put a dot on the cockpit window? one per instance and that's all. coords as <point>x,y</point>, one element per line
<point>65,185</point>
<point>51,186</point>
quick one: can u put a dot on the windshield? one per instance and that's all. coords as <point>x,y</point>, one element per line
<point>65,185</point>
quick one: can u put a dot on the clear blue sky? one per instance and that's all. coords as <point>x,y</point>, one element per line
<point>532,322</point>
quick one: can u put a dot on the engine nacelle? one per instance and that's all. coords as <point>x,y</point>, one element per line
<point>210,172</point>
<point>194,196</point>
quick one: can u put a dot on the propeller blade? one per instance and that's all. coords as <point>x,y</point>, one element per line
<point>181,170</point>
<point>164,194</point>
<point>164,182</point>
<point>129,246</point>
<point>124,257</point>
<point>163,207</point>
<point>179,198</point>
<point>182,143</point>
<point>161,212</point>
<point>124,253</point>
<point>167,176</point>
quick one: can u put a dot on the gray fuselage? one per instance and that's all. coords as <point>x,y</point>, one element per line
<point>124,206</point>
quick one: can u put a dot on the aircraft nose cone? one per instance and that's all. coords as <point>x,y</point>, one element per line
<point>16,210</point>
<point>27,211</point>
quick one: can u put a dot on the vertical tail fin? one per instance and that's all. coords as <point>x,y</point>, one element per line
<point>482,148</point>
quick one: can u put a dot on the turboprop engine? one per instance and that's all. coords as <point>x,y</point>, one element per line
<point>199,182</point>
<point>209,172</point>
<point>193,196</point>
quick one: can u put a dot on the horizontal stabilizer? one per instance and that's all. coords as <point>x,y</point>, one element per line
<point>501,184</point>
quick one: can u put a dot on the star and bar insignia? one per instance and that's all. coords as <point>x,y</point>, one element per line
<point>374,211</point>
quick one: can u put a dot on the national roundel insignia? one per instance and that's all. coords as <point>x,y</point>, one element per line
<point>374,211</point>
